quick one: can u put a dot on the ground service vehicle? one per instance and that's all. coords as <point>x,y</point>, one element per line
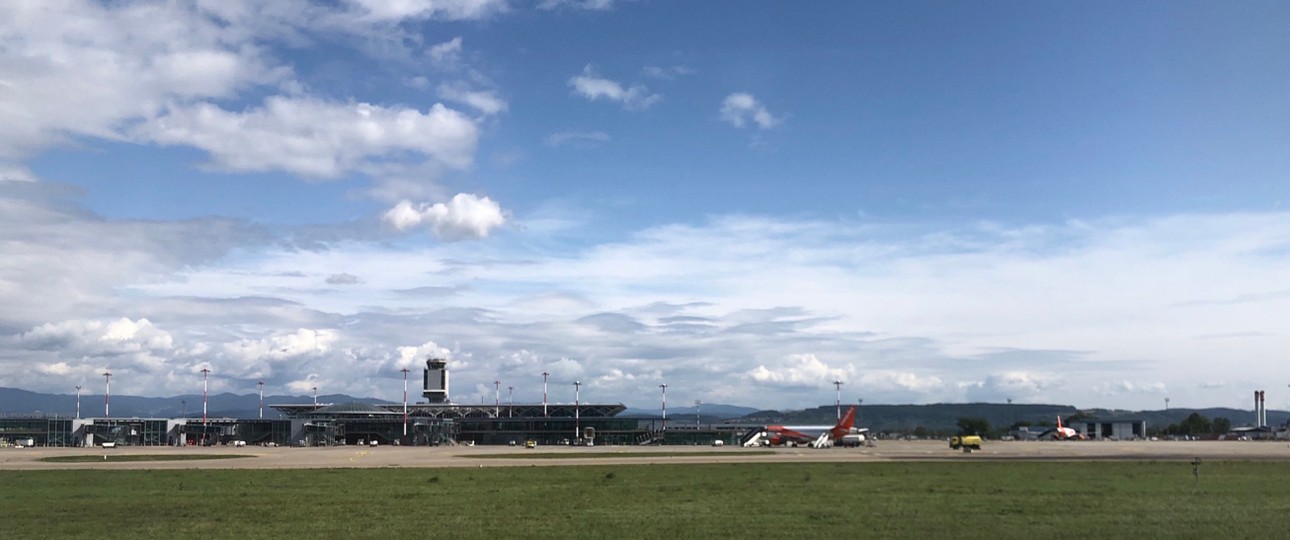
<point>965,441</point>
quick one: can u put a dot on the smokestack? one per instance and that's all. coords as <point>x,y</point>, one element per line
<point>1263,408</point>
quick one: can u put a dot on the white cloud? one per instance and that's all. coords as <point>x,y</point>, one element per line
<point>667,72</point>
<point>1116,388</point>
<point>596,5</point>
<point>484,101</point>
<point>343,278</point>
<point>720,310</point>
<point>10,173</point>
<point>593,87</point>
<point>466,216</point>
<point>414,358</point>
<point>312,137</point>
<point>577,138</point>
<point>741,108</point>
<point>798,370</point>
<point>83,68</point>
<point>399,10</point>
<point>446,54</point>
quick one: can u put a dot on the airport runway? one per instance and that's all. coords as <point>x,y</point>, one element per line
<point>461,456</point>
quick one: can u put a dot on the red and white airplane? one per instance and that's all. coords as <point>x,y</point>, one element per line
<point>817,436</point>
<point>1061,433</point>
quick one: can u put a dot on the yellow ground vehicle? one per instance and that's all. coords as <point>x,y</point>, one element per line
<point>530,444</point>
<point>965,441</point>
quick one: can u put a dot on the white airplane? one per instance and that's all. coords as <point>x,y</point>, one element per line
<point>816,436</point>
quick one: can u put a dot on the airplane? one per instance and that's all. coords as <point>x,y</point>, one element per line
<point>816,436</point>
<point>1061,433</point>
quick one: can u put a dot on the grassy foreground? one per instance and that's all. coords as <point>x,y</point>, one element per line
<point>877,500</point>
<point>619,455</point>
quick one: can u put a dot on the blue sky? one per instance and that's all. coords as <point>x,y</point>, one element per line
<point>933,202</point>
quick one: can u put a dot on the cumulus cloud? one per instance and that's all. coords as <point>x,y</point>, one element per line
<point>124,60</point>
<point>740,109</point>
<point>466,216</point>
<point>594,87</point>
<point>1015,385</point>
<point>98,338</point>
<point>312,137</point>
<point>798,370</point>
<point>415,357</point>
<point>721,310</point>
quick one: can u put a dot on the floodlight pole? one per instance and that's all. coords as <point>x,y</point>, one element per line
<point>261,383</point>
<point>510,396</point>
<point>497,399</point>
<point>315,398</point>
<point>544,413</point>
<point>206,375</point>
<point>664,387</point>
<point>837,401</point>
<point>78,402</point>
<point>577,404</point>
<point>698,413</point>
<point>405,402</point>
<point>107,395</point>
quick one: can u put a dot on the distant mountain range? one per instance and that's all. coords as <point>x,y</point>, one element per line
<point>225,405</point>
<point>939,417</point>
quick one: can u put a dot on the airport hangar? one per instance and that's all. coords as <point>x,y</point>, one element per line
<point>436,421</point>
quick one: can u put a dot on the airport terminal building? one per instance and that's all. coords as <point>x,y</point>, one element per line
<point>435,421</point>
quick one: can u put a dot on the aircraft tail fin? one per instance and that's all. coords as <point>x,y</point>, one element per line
<point>845,424</point>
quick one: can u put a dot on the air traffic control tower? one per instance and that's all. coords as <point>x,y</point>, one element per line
<point>435,381</point>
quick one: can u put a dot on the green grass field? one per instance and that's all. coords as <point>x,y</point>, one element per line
<point>876,500</point>
<point>618,455</point>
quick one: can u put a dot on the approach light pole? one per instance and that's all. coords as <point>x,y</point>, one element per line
<point>78,402</point>
<point>577,404</point>
<point>544,376</point>
<point>837,401</point>
<point>510,397</point>
<point>497,399</point>
<point>107,395</point>
<point>664,387</point>
<point>261,383</point>
<point>405,401</point>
